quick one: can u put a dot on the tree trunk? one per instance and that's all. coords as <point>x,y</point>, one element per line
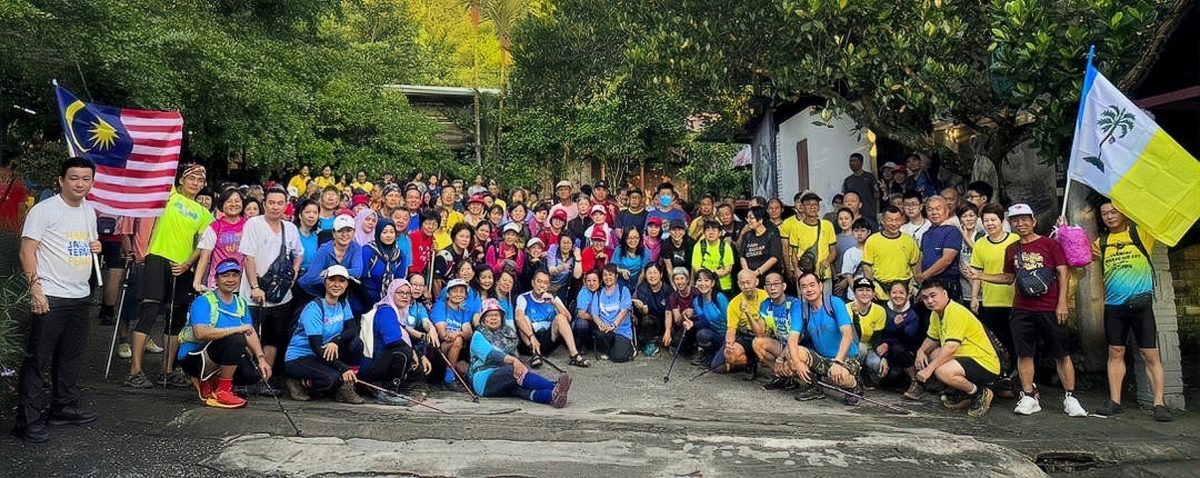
<point>478,134</point>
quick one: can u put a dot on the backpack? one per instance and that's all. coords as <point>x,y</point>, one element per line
<point>1032,283</point>
<point>186,335</point>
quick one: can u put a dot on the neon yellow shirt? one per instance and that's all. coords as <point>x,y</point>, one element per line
<point>175,232</point>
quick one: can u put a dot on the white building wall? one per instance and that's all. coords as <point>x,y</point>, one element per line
<point>829,148</point>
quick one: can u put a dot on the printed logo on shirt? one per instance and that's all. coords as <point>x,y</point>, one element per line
<point>1031,260</point>
<point>78,252</point>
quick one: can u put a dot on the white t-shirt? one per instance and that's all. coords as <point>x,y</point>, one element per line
<point>64,259</point>
<point>917,232</point>
<point>261,243</point>
<point>850,261</point>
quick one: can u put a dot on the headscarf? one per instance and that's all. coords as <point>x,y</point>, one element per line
<point>388,254</point>
<point>389,300</point>
<point>503,337</point>
<point>361,237</point>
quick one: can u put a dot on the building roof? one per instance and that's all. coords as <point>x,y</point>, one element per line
<point>439,91</point>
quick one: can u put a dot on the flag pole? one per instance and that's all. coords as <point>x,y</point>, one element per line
<point>1071,164</point>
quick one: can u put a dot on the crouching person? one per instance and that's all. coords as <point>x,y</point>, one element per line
<point>957,350</point>
<point>393,361</point>
<point>213,347</point>
<point>496,371</point>
<point>829,349</point>
<point>325,341</point>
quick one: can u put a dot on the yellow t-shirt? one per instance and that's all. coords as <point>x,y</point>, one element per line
<point>441,239</point>
<point>960,325</point>
<point>869,324</point>
<point>300,183</point>
<point>324,182</point>
<point>366,187</point>
<point>735,319</point>
<point>891,259</point>
<point>175,232</point>
<point>801,237</point>
<point>452,219</point>
<point>988,257</point>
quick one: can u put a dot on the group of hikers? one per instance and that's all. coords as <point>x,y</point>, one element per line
<point>316,287</point>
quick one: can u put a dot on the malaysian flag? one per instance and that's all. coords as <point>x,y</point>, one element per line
<point>136,153</point>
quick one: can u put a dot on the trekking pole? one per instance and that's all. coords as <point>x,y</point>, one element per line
<point>678,348</point>
<point>117,325</point>
<point>402,396</point>
<point>275,394</point>
<point>848,393</point>
<point>706,372</point>
<point>167,330</point>
<point>552,365</point>
<point>474,398</point>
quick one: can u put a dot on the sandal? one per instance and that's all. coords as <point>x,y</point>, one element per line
<point>535,361</point>
<point>579,360</point>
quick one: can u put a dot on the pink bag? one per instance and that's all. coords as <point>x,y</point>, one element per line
<point>1075,244</point>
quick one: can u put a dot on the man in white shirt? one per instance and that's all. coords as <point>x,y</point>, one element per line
<point>917,224</point>
<point>58,245</point>
<point>261,238</point>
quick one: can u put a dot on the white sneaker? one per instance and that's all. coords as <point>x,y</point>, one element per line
<point>1028,405</point>
<point>1073,408</point>
<point>124,350</point>
<point>152,347</point>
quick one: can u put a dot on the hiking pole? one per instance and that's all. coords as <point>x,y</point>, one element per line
<point>271,390</point>
<point>706,372</point>
<point>552,365</point>
<point>678,348</point>
<point>474,398</point>
<point>117,325</point>
<point>167,330</point>
<point>402,396</point>
<point>850,394</point>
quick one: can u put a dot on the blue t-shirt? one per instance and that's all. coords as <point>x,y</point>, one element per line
<point>779,317</point>
<point>310,250</point>
<point>454,319</point>
<point>317,318</point>
<point>607,306</point>
<point>540,314</point>
<point>824,332</point>
<point>936,240</point>
<point>326,223</point>
<point>633,264</point>
<point>710,314</point>
<point>200,313</point>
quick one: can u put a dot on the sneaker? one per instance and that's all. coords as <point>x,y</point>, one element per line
<point>1161,414</point>
<point>981,402</point>
<point>297,391</point>
<point>152,347</point>
<point>603,356</point>
<point>1027,405</point>
<point>138,381</point>
<point>347,394</point>
<point>391,399</point>
<point>124,350</point>
<point>204,388</point>
<point>261,389</point>
<point>955,400</point>
<point>558,398</point>
<point>32,433</point>
<point>810,392</point>
<point>1072,407</point>
<point>71,416</point>
<point>225,399</point>
<point>650,350</point>
<point>780,384</point>
<point>178,379</point>
<point>1109,409</point>
<point>851,400</point>
<point>914,392</point>
<point>455,387</point>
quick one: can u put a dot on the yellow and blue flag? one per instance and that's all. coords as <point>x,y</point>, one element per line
<point>1123,154</point>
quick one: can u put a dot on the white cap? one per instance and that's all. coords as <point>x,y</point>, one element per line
<point>337,270</point>
<point>343,221</point>
<point>1019,209</point>
<point>889,165</point>
<point>534,241</point>
<point>512,226</point>
<point>455,283</point>
<point>598,208</point>
<point>562,184</point>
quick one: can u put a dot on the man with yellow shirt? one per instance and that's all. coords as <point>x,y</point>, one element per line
<point>813,240</point>
<point>988,260</point>
<point>743,323</point>
<point>957,350</point>
<point>890,255</point>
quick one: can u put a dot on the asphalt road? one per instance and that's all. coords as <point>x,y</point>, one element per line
<point>621,421</point>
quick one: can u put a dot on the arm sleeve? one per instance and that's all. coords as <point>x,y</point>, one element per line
<point>354,257</point>
<point>314,343</point>
<point>387,327</point>
<point>484,351</point>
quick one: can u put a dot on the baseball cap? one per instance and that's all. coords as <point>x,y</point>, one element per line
<point>678,224</point>
<point>600,184</point>
<point>863,282</point>
<point>598,208</point>
<point>490,305</point>
<point>559,213</point>
<point>654,220</point>
<point>809,196</point>
<point>599,234</point>
<point>337,270</point>
<point>534,241</point>
<point>455,283</point>
<point>360,199</point>
<point>680,271</point>
<point>1019,209</point>
<point>512,227</point>
<point>562,184</point>
<point>477,198</point>
<point>889,165</point>
<point>343,221</point>
<point>228,265</point>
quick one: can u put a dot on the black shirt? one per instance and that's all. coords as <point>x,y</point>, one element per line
<point>757,249</point>
<point>678,256</point>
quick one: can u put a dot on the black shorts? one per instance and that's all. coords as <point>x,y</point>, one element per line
<point>1119,320</point>
<point>975,373</point>
<point>1029,326</point>
<point>157,281</point>
<point>110,253</point>
<point>544,337</point>
<point>275,324</point>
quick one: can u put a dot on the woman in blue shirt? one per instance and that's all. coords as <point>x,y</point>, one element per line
<point>610,311</point>
<point>307,214</point>
<point>630,257</point>
<point>325,343</point>
<point>393,357</point>
<point>496,371</point>
<point>709,318</point>
<point>581,326</point>
<point>340,251</point>
<point>384,259</point>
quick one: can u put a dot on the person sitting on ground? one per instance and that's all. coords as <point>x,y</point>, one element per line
<point>743,325</point>
<point>868,319</point>
<point>957,350</point>
<point>212,348</point>
<point>705,327</point>
<point>496,371</point>
<point>452,318</point>
<point>650,306</point>
<point>543,319</point>
<point>325,343</point>
<point>897,344</point>
<point>829,350</point>
<point>776,315</point>
<point>610,311</point>
<point>582,324</point>
<point>393,360</point>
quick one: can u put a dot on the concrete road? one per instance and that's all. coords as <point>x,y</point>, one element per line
<point>621,421</point>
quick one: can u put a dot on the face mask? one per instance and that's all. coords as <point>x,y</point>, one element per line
<point>665,200</point>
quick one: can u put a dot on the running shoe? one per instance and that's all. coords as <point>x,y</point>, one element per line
<point>124,350</point>
<point>810,392</point>
<point>1161,414</point>
<point>178,379</point>
<point>851,400</point>
<point>297,391</point>
<point>152,347</point>
<point>981,402</point>
<point>1109,409</point>
<point>1072,407</point>
<point>1027,405</point>
<point>780,384</point>
<point>558,398</point>
<point>650,350</point>
<point>955,400</point>
<point>204,388</point>
<point>138,381</point>
<point>225,399</point>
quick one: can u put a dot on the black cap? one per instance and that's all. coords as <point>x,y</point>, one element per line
<point>678,224</point>
<point>600,184</point>
<point>863,282</point>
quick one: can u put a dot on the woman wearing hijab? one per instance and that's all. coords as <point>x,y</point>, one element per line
<point>385,258</point>
<point>364,227</point>
<point>496,371</point>
<point>393,359</point>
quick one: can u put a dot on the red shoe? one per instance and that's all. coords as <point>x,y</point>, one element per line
<point>204,388</point>
<point>225,399</point>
